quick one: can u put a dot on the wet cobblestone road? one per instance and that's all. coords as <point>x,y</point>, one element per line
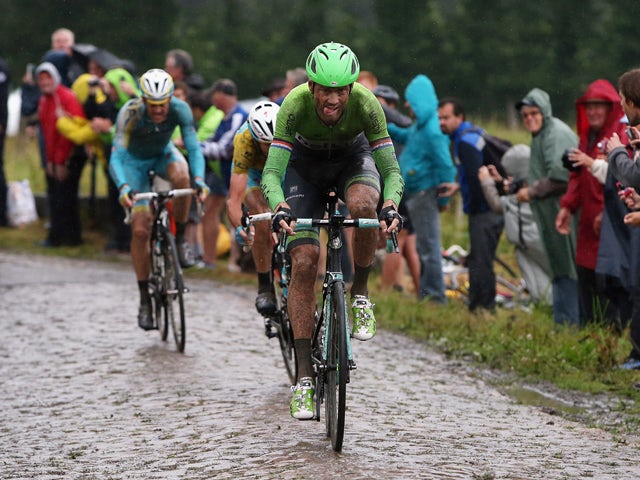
<point>86,394</point>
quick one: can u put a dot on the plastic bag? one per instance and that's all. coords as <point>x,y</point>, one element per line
<point>21,204</point>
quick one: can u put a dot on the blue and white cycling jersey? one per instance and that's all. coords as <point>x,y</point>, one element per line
<point>140,145</point>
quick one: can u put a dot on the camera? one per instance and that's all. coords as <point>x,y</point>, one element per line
<point>513,187</point>
<point>93,82</point>
<point>630,133</point>
<point>602,145</point>
<point>568,164</point>
<point>626,191</point>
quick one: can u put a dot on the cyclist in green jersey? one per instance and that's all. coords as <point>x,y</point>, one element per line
<point>330,133</point>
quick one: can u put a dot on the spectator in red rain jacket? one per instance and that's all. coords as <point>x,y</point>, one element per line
<point>598,115</point>
<point>64,161</point>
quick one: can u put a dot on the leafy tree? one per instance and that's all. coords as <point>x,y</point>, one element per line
<point>487,52</point>
<point>124,28</point>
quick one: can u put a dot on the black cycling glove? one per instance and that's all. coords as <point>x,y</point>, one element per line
<point>283,213</point>
<point>389,214</point>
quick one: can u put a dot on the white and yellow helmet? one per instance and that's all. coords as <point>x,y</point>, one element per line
<point>156,86</point>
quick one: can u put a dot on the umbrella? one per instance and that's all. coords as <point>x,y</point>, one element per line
<point>105,59</point>
<point>80,53</point>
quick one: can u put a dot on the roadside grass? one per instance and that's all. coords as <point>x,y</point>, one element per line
<point>528,345</point>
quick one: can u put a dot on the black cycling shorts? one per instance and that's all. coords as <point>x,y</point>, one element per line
<point>312,173</point>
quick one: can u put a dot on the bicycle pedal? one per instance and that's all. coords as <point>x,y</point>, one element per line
<point>352,365</point>
<point>269,331</point>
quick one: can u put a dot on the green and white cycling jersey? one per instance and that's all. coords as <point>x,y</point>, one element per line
<point>299,128</point>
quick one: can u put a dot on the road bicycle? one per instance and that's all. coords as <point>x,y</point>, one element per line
<point>331,352</point>
<point>278,324</point>
<point>166,283</point>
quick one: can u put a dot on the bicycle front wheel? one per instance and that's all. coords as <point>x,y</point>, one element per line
<point>156,288</point>
<point>174,290</point>
<point>337,367</point>
<point>158,304</point>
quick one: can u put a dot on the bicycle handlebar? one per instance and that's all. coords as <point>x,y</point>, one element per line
<point>258,217</point>
<point>178,192</point>
<point>346,222</point>
<point>320,222</point>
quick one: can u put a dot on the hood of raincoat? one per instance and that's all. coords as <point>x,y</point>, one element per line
<point>599,90</point>
<point>421,95</point>
<point>51,69</point>
<point>62,62</point>
<point>115,76</point>
<point>538,98</point>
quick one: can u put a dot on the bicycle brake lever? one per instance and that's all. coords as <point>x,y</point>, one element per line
<point>392,243</point>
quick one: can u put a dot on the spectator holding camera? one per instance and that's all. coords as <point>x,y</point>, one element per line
<point>598,114</point>
<point>520,226</point>
<point>546,183</point>
<point>623,166</point>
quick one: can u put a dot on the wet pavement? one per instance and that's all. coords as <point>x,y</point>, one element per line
<point>85,394</point>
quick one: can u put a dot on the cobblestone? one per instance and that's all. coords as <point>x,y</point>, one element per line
<point>86,394</point>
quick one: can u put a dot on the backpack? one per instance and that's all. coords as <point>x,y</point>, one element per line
<point>493,150</point>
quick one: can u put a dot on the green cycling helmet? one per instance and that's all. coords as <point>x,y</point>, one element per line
<point>332,65</point>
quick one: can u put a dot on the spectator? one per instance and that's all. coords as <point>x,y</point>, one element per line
<point>598,114</point>
<point>389,99</point>
<point>392,275</point>
<point>206,115</point>
<point>119,86</point>
<point>218,152</point>
<point>425,164</point>
<point>63,164</point>
<point>61,56</point>
<point>546,183</point>
<point>275,89</point>
<point>207,118</point>
<point>624,168</point>
<point>101,61</point>
<point>4,116</point>
<point>520,226</point>
<point>485,226</point>
<point>294,77</point>
<point>179,64</point>
<point>63,40</point>
<point>368,79</point>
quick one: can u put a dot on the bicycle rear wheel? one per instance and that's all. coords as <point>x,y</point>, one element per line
<point>281,264</point>
<point>337,367</point>
<point>287,347</point>
<point>174,290</point>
